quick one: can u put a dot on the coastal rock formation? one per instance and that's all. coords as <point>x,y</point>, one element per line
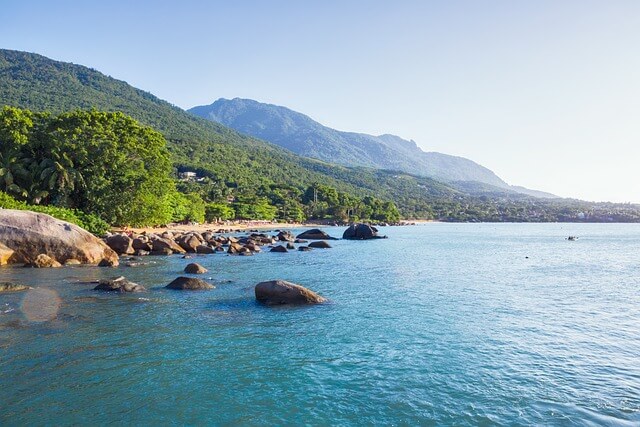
<point>360,231</point>
<point>279,248</point>
<point>305,249</point>
<point>315,234</point>
<point>119,284</point>
<point>30,234</point>
<point>121,243</point>
<point>189,242</point>
<point>195,268</point>
<point>189,284</point>
<point>12,287</point>
<point>321,244</point>
<point>275,292</point>
<point>204,249</point>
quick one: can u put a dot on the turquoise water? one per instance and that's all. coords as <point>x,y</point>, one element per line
<point>441,324</point>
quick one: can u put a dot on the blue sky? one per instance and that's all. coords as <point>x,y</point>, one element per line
<point>544,93</point>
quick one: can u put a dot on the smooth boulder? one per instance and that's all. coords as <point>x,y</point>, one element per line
<point>361,232</point>
<point>43,261</point>
<point>277,292</point>
<point>279,248</point>
<point>195,268</point>
<point>121,244</point>
<point>30,234</point>
<point>119,284</point>
<point>5,254</point>
<point>189,284</point>
<point>315,234</point>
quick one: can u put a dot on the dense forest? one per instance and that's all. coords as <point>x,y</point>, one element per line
<point>86,142</point>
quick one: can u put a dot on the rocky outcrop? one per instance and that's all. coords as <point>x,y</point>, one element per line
<point>30,234</point>
<point>315,234</point>
<point>275,292</point>
<point>321,244</point>
<point>162,244</point>
<point>360,231</point>
<point>119,284</point>
<point>195,268</point>
<point>189,284</point>
<point>285,236</point>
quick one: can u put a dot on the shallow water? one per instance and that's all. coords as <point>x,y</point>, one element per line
<point>447,324</point>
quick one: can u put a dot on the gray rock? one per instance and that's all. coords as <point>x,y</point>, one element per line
<point>315,234</point>
<point>361,232</point>
<point>321,244</point>
<point>189,284</point>
<point>279,248</point>
<point>195,268</point>
<point>275,292</point>
<point>119,284</point>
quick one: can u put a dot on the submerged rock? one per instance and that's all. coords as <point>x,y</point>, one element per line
<point>305,249</point>
<point>361,232</point>
<point>29,234</point>
<point>315,234</point>
<point>12,287</point>
<point>320,244</point>
<point>195,268</point>
<point>276,292</point>
<point>119,284</point>
<point>189,284</point>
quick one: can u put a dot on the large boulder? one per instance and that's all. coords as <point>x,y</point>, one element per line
<point>30,234</point>
<point>189,284</point>
<point>360,231</point>
<point>315,234</point>
<point>119,284</point>
<point>161,244</point>
<point>189,242</point>
<point>121,243</point>
<point>276,292</point>
<point>195,268</point>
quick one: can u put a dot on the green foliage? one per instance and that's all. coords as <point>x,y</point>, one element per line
<point>219,212</point>
<point>89,222</point>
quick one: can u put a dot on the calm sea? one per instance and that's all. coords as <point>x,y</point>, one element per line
<point>441,324</point>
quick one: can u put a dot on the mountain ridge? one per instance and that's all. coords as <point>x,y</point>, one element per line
<point>302,135</point>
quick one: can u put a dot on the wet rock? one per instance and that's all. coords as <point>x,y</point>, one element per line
<point>160,243</point>
<point>195,268</point>
<point>72,261</point>
<point>315,234</point>
<point>12,287</point>
<point>189,284</point>
<point>276,292</point>
<point>108,263</point>
<point>285,236</point>
<point>305,249</point>
<point>119,284</point>
<point>320,244</point>
<point>361,232</point>
<point>162,251</point>
<point>279,248</point>
<point>204,249</point>
<point>290,245</point>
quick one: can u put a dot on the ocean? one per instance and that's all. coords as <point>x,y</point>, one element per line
<point>440,324</point>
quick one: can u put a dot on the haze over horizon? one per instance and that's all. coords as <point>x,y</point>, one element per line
<point>545,94</point>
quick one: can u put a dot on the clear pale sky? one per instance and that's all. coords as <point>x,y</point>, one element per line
<point>544,93</point>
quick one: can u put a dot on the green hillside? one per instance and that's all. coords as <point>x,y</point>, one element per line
<point>238,166</point>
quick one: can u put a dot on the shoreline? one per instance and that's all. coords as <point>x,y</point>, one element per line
<point>236,226</point>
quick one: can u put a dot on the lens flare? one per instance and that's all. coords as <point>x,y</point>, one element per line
<point>40,305</point>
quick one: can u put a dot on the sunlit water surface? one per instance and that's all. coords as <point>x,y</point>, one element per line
<point>447,324</point>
